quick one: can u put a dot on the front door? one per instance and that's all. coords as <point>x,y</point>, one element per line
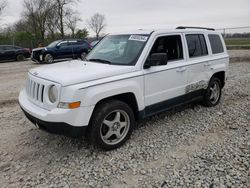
<point>164,83</point>
<point>64,50</point>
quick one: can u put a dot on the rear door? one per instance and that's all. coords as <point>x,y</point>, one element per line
<point>74,45</point>
<point>198,60</point>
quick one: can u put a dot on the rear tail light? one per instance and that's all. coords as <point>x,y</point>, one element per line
<point>28,49</point>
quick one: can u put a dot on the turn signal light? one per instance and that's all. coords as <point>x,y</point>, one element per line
<point>71,105</point>
<point>74,105</point>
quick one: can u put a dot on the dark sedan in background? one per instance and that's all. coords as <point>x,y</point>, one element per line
<point>11,52</point>
<point>61,49</point>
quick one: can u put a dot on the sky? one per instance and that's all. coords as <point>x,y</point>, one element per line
<point>125,15</point>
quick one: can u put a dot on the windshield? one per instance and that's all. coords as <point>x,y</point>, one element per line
<point>53,44</point>
<point>118,49</point>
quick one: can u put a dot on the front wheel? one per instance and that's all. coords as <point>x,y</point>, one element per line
<point>213,93</point>
<point>48,58</point>
<point>111,125</point>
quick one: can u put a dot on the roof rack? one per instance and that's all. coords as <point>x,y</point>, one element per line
<point>186,27</point>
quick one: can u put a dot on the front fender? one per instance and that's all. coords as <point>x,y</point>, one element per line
<point>92,95</point>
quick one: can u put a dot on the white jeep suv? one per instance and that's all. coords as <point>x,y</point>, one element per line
<point>126,77</point>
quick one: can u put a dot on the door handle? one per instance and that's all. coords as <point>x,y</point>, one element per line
<point>182,69</point>
<point>207,64</point>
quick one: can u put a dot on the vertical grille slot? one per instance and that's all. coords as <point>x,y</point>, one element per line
<point>35,90</point>
<point>30,87</point>
<point>42,93</point>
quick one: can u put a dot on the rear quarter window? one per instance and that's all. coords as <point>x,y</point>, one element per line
<point>196,45</point>
<point>216,44</point>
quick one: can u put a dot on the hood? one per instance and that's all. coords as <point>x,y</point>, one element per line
<point>77,71</point>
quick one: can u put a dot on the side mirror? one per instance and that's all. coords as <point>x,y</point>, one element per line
<point>57,46</point>
<point>156,59</point>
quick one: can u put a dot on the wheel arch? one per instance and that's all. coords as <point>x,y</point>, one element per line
<point>49,52</point>
<point>17,54</point>
<point>129,98</point>
<point>221,76</point>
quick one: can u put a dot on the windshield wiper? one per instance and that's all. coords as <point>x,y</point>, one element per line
<point>100,60</point>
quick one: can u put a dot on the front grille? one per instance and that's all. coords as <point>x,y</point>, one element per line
<point>36,55</point>
<point>35,90</point>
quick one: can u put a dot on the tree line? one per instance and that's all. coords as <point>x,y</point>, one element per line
<point>43,21</point>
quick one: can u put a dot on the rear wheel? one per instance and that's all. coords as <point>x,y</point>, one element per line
<point>20,57</point>
<point>83,55</point>
<point>213,93</point>
<point>48,58</point>
<point>111,125</point>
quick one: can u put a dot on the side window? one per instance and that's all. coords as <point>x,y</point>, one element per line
<point>16,48</point>
<point>80,42</point>
<point>196,45</point>
<point>171,45</point>
<point>72,43</point>
<point>8,48</point>
<point>216,43</point>
<point>64,44</point>
<point>83,43</point>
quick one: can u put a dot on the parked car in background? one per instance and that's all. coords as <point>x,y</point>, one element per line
<point>11,52</point>
<point>94,43</point>
<point>61,49</point>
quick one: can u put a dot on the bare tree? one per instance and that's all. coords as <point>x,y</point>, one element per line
<point>71,22</point>
<point>52,23</point>
<point>3,4</point>
<point>37,13</point>
<point>97,23</point>
<point>62,8</point>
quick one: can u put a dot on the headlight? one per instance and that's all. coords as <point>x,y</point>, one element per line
<point>53,94</point>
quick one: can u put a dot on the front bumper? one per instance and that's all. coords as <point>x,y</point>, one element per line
<point>37,56</point>
<point>57,127</point>
<point>70,122</point>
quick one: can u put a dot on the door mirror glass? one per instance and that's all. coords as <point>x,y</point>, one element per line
<point>156,59</point>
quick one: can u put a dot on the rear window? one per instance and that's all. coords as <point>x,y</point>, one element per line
<point>196,45</point>
<point>80,42</point>
<point>216,43</point>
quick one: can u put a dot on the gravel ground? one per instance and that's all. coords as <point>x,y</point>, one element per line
<point>191,146</point>
<point>239,55</point>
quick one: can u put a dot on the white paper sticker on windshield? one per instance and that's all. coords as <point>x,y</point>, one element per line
<point>138,38</point>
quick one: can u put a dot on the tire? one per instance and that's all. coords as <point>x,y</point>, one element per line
<point>111,125</point>
<point>83,55</point>
<point>213,93</point>
<point>20,57</point>
<point>49,58</point>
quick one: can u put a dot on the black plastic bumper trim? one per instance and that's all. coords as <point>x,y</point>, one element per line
<point>57,127</point>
